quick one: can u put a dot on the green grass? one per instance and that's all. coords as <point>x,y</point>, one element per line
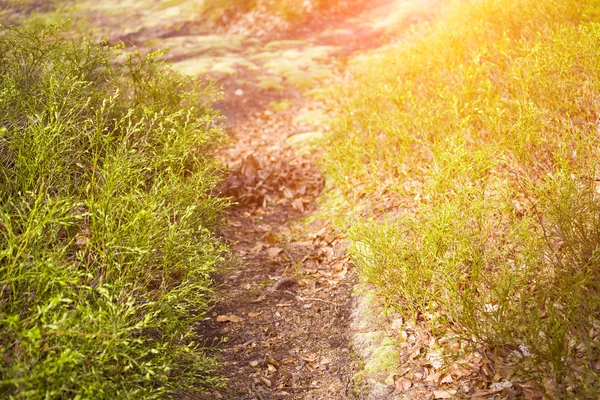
<point>483,132</point>
<point>106,218</point>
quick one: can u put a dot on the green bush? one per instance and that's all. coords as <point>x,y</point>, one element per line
<point>484,129</point>
<point>106,174</point>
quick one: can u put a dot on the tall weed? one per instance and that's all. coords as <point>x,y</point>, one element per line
<point>486,124</point>
<point>106,173</point>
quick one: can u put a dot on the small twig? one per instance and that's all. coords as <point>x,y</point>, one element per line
<point>282,283</point>
<point>305,299</point>
<point>347,386</point>
<point>317,299</point>
<point>274,321</point>
<point>255,390</point>
<point>538,214</point>
<point>299,388</point>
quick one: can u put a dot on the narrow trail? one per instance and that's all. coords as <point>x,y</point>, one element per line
<point>281,322</point>
<point>286,312</point>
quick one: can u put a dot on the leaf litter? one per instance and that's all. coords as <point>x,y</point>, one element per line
<point>283,316</point>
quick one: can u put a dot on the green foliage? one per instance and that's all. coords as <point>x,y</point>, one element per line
<point>106,173</point>
<point>485,127</point>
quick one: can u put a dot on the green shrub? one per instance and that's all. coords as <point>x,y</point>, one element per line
<point>106,173</point>
<point>485,129</point>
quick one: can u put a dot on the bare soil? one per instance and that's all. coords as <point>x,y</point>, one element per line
<point>284,313</point>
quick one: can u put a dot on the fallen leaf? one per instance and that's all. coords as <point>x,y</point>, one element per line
<point>446,379</point>
<point>229,318</point>
<point>298,205</point>
<point>271,238</point>
<point>273,252</point>
<point>250,167</point>
<point>257,249</point>
<point>266,381</point>
<point>499,386</point>
<point>460,371</point>
<point>435,359</point>
<point>433,377</point>
<point>321,233</point>
<point>307,359</point>
<point>288,193</point>
<point>444,394</point>
<point>258,299</point>
<point>403,385</point>
<point>272,361</point>
<point>254,314</point>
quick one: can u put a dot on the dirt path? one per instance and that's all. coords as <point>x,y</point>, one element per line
<point>286,313</point>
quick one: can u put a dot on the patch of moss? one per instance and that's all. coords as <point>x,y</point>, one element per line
<point>270,82</point>
<point>384,359</point>
<point>280,106</point>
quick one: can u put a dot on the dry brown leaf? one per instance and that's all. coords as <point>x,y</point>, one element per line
<point>273,252</point>
<point>257,249</point>
<point>403,385</point>
<point>258,299</point>
<point>265,381</point>
<point>433,377</point>
<point>272,361</point>
<point>254,314</point>
<point>288,193</point>
<point>308,359</point>
<point>322,232</point>
<point>250,167</point>
<point>435,359</point>
<point>271,238</point>
<point>444,394</point>
<point>460,371</point>
<point>447,378</point>
<point>298,205</point>
<point>229,318</point>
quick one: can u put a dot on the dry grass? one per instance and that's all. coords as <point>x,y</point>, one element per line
<point>485,130</point>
